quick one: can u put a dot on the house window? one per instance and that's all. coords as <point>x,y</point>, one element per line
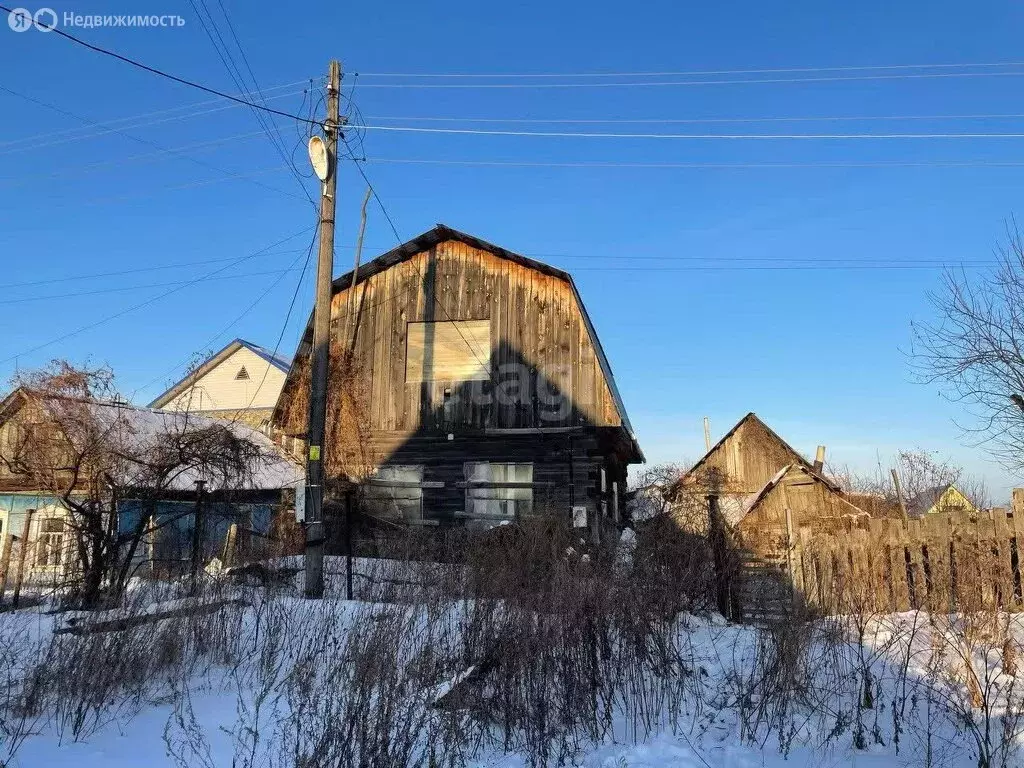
<point>448,351</point>
<point>395,493</point>
<point>498,491</point>
<point>50,543</point>
<point>242,375</point>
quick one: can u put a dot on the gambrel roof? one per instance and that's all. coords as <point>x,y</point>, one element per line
<point>442,233</point>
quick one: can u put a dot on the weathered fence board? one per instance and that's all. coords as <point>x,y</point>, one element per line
<point>942,562</point>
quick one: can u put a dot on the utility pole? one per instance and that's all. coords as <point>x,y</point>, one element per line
<point>315,533</point>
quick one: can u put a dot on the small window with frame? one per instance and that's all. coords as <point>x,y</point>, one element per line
<point>50,543</point>
<point>498,492</point>
<point>395,493</point>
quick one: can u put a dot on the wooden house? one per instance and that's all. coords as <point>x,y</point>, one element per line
<point>467,386</point>
<point>750,463</point>
<point>240,382</point>
<point>34,489</point>
<point>746,458</point>
<point>795,496</point>
<point>941,498</point>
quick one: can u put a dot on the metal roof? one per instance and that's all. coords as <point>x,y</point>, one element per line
<point>213,361</point>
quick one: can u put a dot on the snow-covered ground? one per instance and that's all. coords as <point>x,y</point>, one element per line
<point>739,696</point>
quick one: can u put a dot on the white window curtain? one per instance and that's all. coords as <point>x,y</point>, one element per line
<point>488,497</point>
<point>395,493</point>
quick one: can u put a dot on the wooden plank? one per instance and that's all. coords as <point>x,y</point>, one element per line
<point>988,568</point>
<point>121,623</point>
<point>1016,524</point>
<point>1001,544</point>
<point>451,351</point>
<point>6,545</point>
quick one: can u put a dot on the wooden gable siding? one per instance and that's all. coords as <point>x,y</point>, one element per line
<point>764,528</point>
<point>536,330</point>
<point>952,500</point>
<point>220,390</point>
<point>746,459</point>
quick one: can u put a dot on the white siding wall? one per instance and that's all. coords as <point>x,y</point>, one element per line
<point>220,390</point>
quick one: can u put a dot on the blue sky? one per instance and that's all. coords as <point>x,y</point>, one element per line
<point>716,291</point>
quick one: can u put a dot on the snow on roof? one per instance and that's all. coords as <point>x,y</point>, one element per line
<point>278,361</point>
<point>143,429</point>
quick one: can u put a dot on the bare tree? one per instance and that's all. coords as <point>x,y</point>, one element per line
<point>975,348</point>
<point>922,474</point>
<point>76,440</point>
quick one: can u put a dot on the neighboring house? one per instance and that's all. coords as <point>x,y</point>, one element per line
<point>468,387</point>
<point>941,498</point>
<point>241,382</point>
<point>248,501</point>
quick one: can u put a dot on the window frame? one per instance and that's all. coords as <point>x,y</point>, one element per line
<point>50,546</point>
<point>512,499</point>
<point>380,489</point>
<point>478,348</point>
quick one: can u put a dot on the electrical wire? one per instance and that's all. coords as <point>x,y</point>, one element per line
<point>126,288</point>
<point>696,73</point>
<point>691,120</point>
<point>137,139</point>
<point>166,115</point>
<point>119,273</point>
<point>259,299</point>
<point>99,164</point>
<point>160,73</point>
<point>713,165</point>
<point>691,83</point>
<point>698,136</point>
<point>234,72</point>
<point>149,301</point>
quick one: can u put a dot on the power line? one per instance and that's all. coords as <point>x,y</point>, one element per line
<point>131,137</point>
<point>398,237</point>
<point>161,73</point>
<point>690,120</point>
<point>147,302</point>
<point>79,203</point>
<point>698,136</point>
<point>291,308</point>
<point>64,172</point>
<point>695,73</point>
<point>722,264</point>
<point>712,165</point>
<point>188,110</point>
<point>259,299</point>
<point>234,72</point>
<point>690,83</point>
<point>119,273</point>
<point>125,288</point>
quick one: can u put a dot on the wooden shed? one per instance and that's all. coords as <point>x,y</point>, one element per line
<point>467,386</point>
<point>746,458</point>
<point>795,496</point>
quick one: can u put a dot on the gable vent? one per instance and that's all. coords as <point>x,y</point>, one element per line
<point>242,375</point>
